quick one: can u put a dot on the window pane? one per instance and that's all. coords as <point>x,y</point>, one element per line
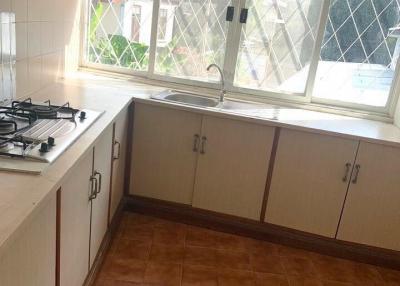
<point>119,33</point>
<point>276,44</point>
<point>194,36</point>
<point>359,52</point>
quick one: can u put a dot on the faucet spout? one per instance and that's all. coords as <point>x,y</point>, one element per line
<point>222,77</point>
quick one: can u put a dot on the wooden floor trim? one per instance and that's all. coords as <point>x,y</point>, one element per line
<point>264,231</point>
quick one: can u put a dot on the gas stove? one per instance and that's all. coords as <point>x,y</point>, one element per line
<point>39,132</point>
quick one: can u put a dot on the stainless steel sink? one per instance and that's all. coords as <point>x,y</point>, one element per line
<point>186,98</point>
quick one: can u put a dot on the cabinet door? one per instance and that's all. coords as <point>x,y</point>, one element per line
<point>75,223</point>
<point>163,162</point>
<point>372,210</point>
<point>307,189</point>
<point>30,258</point>
<point>232,170</point>
<point>119,160</point>
<point>102,172</point>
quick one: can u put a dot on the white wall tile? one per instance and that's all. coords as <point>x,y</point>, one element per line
<point>47,37</point>
<point>34,39</point>
<point>21,31</point>
<point>35,74</point>
<point>20,8</point>
<point>22,79</point>
<point>35,9</point>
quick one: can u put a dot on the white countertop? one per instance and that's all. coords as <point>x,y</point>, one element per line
<point>21,195</point>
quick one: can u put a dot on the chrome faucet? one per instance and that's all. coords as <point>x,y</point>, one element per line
<point>221,73</point>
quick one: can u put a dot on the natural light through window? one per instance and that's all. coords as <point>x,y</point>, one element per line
<point>329,52</point>
<point>277,43</point>
<point>359,52</point>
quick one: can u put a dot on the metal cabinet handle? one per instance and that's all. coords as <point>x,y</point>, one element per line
<point>196,142</point>
<point>346,174</point>
<point>116,143</point>
<point>97,173</point>
<point>93,192</point>
<point>357,171</point>
<point>203,145</point>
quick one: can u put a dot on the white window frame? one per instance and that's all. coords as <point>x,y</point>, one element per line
<point>305,99</point>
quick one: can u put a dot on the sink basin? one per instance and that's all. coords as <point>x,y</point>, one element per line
<point>187,98</point>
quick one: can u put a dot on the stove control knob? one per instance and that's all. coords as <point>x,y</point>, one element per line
<point>82,115</point>
<point>51,141</point>
<point>44,147</point>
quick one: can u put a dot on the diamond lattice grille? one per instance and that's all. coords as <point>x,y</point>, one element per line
<point>277,43</point>
<point>119,33</point>
<point>359,55</point>
<point>198,38</point>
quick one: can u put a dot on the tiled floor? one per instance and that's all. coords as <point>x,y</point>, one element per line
<point>154,252</point>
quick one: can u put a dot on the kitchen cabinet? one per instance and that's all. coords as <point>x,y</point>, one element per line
<point>310,181</point>
<point>30,257</point>
<point>75,223</point>
<point>84,211</point>
<point>371,214</point>
<point>232,166</point>
<point>119,160</point>
<point>163,160</point>
<point>102,172</point>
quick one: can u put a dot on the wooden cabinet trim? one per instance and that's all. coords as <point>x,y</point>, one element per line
<point>270,172</point>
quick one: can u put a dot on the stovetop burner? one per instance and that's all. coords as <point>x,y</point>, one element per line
<point>7,126</point>
<point>45,112</point>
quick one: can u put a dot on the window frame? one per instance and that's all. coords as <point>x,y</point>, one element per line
<point>305,99</point>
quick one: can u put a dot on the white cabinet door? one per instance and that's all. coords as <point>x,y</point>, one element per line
<point>372,210</point>
<point>75,223</point>
<point>307,190</point>
<point>119,160</point>
<point>30,259</point>
<point>232,171</point>
<point>163,160</point>
<point>102,172</point>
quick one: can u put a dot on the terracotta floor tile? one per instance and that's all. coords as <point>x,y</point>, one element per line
<point>267,263</point>
<point>201,237</point>
<point>194,275</point>
<point>133,249</point>
<point>236,278</point>
<point>233,259</point>
<point>167,253</point>
<point>291,251</point>
<point>341,270</point>
<point>269,279</point>
<point>298,266</point>
<point>131,270</point>
<point>304,281</point>
<point>200,256</point>
<point>112,282</point>
<point>230,242</point>
<point>130,219</point>
<point>142,232</point>
<point>148,251</point>
<point>169,236</point>
<point>261,247</point>
<point>167,274</point>
<point>391,277</point>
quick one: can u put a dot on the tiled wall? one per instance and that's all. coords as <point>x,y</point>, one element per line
<point>46,35</point>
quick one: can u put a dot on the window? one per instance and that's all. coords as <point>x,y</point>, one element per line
<point>198,38</point>
<point>276,44</point>
<point>162,24</point>
<point>119,33</point>
<point>358,56</point>
<point>136,16</point>
<point>332,52</point>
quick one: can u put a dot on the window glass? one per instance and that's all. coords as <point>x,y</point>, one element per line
<point>194,36</point>
<point>119,33</point>
<point>276,44</point>
<point>359,51</point>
